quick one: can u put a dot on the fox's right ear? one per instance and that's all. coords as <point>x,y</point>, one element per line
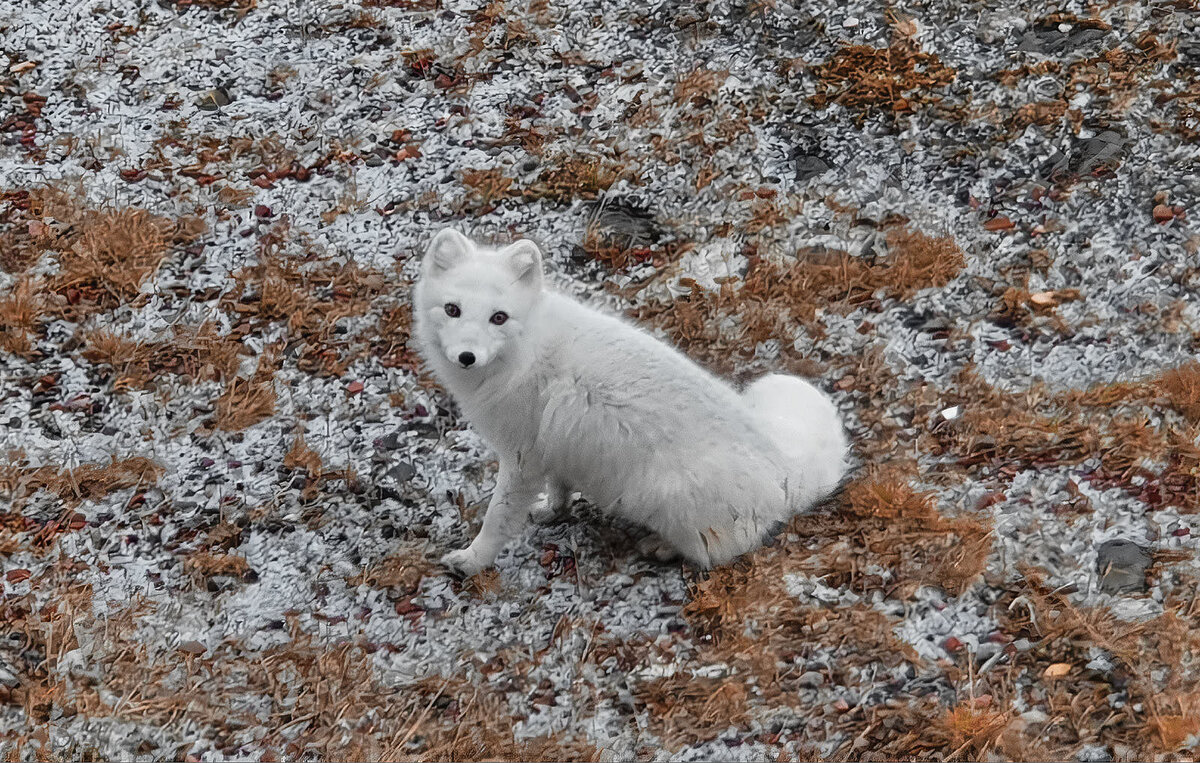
<point>447,249</point>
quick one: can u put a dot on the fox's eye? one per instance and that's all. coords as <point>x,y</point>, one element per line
<point>453,310</point>
<point>499,317</point>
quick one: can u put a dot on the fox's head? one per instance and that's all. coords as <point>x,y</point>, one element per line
<point>473,301</point>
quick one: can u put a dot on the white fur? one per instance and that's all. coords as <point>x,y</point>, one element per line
<point>573,399</point>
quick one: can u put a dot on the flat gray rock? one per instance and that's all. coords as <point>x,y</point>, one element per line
<point>1122,566</point>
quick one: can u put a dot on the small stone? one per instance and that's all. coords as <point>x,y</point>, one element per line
<point>211,100</point>
<point>1122,566</point>
<point>402,472</point>
<point>1057,670</point>
<point>811,679</point>
<point>355,387</point>
<point>810,166</point>
<point>390,441</point>
<point>193,647</point>
<point>1163,214</point>
<point>850,22</point>
<point>262,210</point>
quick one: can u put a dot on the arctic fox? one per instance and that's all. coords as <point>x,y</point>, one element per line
<point>575,400</point>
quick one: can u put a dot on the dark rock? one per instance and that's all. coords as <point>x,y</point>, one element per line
<point>1051,39</point>
<point>402,472</point>
<point>211,100</point>
<point>1122,566</point>
<point>390,441</point>
<point>626,225</point>
<point>809,166</point>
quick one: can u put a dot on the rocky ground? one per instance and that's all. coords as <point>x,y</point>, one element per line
<point>227,479</point>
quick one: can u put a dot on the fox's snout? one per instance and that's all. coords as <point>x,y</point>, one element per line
<point>468,356</point>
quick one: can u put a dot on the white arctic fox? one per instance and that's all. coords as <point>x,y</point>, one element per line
<point>575,400</point>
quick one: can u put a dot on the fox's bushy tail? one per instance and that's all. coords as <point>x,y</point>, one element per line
<point>805,425</point>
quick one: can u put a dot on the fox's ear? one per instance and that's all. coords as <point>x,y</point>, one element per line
<point>525,260</point>
<point>447,249</point>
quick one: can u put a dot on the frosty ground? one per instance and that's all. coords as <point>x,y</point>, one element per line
<point>227,478</point>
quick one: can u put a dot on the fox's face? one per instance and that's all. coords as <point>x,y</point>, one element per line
<point>474,301</point>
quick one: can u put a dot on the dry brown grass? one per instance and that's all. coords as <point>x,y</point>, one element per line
<point>322,700</point>
<point>684,709</point>
<point>619,252</point>
<point>1147,656</point>
<point>246,402</point>
<point>1180,387</point>
<point>391,339</point>
<point>309,295</point>
<point>1036,428</point>
<point>203,565</point>
<point>111,254</point>
<point>486,187</point>
<point>302,457</point>
<point>89,482</point>
<point>890,81</point>
<point>774,297</point>
<point>21,312</point>
<point>881,523</point>
<point>403,569</point>
<point>899,529</point>
<point>575,177</point>
<point>699,86</point>
<point>1042,113</point>
<point>196,353</point>
<point>104,255</point>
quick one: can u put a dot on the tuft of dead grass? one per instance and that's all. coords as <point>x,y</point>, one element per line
<point>246,402</point>
<point>104,255</point>
<point>575,177</point>
<point>322,700</point>
<point>403,569</point>
<point>21,312</point>
<point>888,81</point>
<point>686,709</point>
<point>204,565</point>
<point>89,482</point>
<point>699,86</point>
<point>309,295</point>
<point>721,327</point>
<point>196,353</point>
<point>901,530</point>
<point>486,187</point>
<point>302,457</point>
<point>1180,387</point>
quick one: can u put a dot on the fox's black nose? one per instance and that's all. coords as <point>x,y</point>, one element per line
<point>466,358</point>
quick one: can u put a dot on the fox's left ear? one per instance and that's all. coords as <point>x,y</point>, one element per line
<point>525,260</point>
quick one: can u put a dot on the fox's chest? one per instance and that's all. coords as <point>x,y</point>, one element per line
<point>506,415</point>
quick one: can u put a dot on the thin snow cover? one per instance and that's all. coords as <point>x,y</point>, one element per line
<point>348,139</point>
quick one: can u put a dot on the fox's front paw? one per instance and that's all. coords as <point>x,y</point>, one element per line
<point>463,563</point>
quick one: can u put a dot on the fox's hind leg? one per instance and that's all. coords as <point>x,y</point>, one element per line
<point>558,500</point>
<point>654,547</point>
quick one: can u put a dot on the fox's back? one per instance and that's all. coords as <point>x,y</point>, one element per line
<point>634,419</point>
